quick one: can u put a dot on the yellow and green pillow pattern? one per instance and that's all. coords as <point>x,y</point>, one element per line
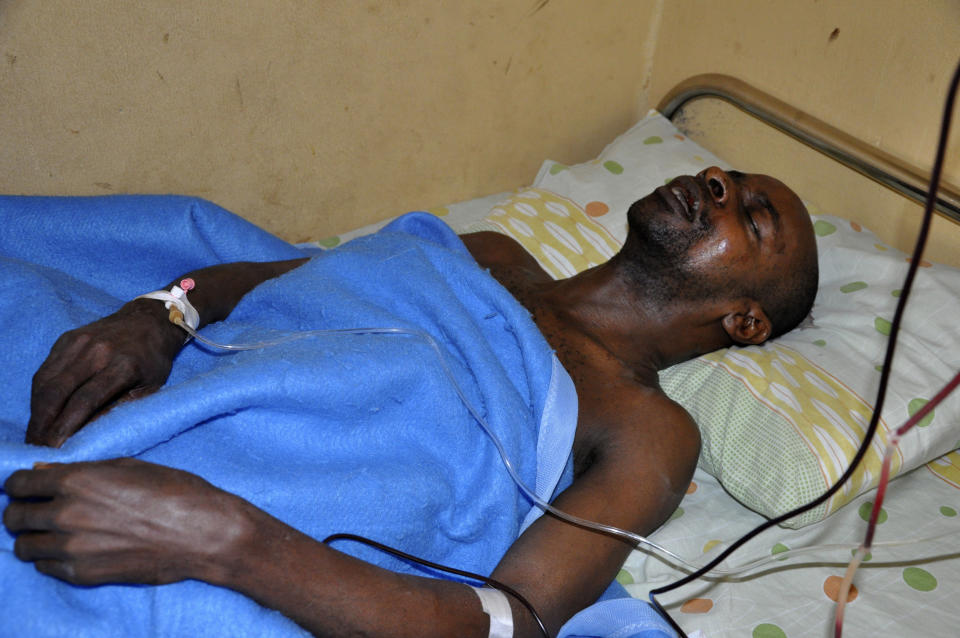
<point>557,232</point>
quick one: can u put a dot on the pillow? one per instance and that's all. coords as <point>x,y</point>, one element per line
<point>649,155</point>
<point>553,229</point>
<point>779,422</point>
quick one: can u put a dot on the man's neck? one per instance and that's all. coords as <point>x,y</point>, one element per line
<point>642,333</point>
<point>598,315</point>
<point>594,315</point>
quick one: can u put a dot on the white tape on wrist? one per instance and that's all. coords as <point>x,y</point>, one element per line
<point>177,296</point>
<point>497,606</point>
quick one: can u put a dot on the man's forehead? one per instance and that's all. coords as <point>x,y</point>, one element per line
<point>767,184</point>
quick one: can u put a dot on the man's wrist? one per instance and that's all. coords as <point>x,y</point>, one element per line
<point>172,336</point>
<point>237,561</point>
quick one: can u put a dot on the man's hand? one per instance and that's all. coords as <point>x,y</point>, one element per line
<point>130,353</point>
<point>122,520</point>
<point>125,355</point>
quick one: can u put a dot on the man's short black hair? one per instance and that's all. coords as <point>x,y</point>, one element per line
<point>788,301</point>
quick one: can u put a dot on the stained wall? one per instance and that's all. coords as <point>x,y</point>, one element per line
<point>311,118</point>
<point>877,69</point>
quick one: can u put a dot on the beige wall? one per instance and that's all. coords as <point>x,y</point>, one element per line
<point>311,118</point>
<point>876,68</point>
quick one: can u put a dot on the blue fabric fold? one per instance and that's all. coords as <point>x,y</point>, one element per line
<point>359,433</point>
<point>617,617</point>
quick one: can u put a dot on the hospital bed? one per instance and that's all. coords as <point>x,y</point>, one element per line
<point>780,422</point>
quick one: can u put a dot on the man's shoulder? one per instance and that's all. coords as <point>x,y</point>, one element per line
<point>638,453</point>
<point>633,407</point>
<point>627,423</point>
<point>496,250</point>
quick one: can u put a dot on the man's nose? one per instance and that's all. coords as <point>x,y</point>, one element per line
<point>719,185</point>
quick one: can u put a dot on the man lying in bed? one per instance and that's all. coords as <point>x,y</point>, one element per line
<point>710,261</point>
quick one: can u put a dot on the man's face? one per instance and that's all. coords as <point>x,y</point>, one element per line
<point>716,234</point>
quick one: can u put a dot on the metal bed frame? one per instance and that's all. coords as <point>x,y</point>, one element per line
<point>904,178</point>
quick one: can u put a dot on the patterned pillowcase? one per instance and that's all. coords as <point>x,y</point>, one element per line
<point>553,229</point>
<point>649,155</point>
<point>779,422</point>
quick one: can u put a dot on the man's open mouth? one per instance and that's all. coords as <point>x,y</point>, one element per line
<point>680,199</point>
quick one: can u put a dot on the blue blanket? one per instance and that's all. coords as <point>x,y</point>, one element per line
<point>340,433</point>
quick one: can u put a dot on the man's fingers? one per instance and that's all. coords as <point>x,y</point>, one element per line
<point>47,401</point>
<point>60,555</point>
<point>80,376</point>
<point>65,352</point>
<point>37,546</point>
<point>73,359</point>
<point>86,401</point>
<point>64,371</point>
<point>34,484</point>
<point>89,368</point>
<point>61,569</point>
<point>24,516</point>
<point>82,571</point>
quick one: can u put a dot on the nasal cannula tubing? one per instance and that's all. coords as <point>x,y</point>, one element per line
<point>508,464</point>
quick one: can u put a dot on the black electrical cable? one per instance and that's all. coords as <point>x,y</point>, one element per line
<point>492,582</point>
<point>935,174</point>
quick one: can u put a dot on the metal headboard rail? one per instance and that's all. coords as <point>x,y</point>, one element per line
<point>856,154</point>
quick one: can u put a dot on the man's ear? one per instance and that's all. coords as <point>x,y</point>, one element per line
<point>750,327</point>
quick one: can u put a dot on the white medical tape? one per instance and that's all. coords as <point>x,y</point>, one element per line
<point>176,297</point>
<point>497,606</point>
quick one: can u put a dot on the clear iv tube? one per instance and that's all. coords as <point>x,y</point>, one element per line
<point>635,539</point>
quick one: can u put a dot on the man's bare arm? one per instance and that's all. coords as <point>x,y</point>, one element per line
<point>129,521</point>
<point>635,482</point>
<point>128,353</point>
<point>645,451</point>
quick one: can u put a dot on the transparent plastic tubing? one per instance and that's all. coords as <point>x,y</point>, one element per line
<point>632,538</point>
<point>508,464</point>
<point>878,501</point>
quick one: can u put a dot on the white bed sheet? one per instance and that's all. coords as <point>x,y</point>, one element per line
<point>902,591</point>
